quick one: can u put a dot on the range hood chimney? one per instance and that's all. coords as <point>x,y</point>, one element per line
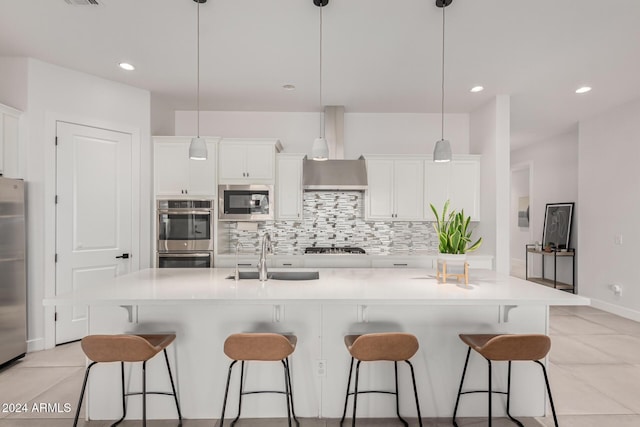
<point>335,173</point>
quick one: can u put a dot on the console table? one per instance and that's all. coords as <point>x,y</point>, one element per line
<point>553,282</point>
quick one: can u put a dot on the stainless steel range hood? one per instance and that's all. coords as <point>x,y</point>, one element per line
<point>335,175</point>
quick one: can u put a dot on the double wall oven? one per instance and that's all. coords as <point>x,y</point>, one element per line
<point>185,233</point>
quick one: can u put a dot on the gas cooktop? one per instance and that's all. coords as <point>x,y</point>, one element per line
<point>333,250</point>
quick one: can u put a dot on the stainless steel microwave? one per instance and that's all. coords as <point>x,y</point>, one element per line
<point>245,202</point>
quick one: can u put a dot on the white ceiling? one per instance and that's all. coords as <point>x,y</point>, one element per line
<point>379,56</point>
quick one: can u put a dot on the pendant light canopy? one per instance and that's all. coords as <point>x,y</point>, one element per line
<point>442,150</point>
<point>320,148</point>
<point>198,146</point>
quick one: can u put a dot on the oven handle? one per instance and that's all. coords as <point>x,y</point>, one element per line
<point>186,255</point>
<point>185,211</point>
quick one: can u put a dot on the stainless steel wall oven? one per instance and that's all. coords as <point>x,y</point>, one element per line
<point>185,233</point>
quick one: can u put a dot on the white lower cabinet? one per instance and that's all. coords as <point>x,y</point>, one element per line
<point>457,181</point>
<point>289,186</point>
<point>178,175</point>
<point>403,262</point>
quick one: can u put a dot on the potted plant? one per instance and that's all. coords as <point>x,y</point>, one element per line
<point>454,234</point>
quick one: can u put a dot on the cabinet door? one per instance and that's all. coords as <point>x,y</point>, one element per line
<point>436,184</point>
<point>408,185</point>
<point>457,181</point>
<point>289,188</point>
<point>232,162</point>
<point>380,189</point>
<point>171,168</point>
<point>464,188</point>
<point>202,174</point>
<point>259,162</point>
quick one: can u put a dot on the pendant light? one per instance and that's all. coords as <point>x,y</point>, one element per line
<point>442,150</point>
<point>320,148</point>
<point>198,146</point>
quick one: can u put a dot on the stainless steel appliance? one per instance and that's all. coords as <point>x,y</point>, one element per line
<point>185,233</point>
<point>333,250</point>
<point>245,202</point>
<point>13,276</point>
<point>185,260</point>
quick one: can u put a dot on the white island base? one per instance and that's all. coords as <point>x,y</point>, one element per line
<point>203,308</point>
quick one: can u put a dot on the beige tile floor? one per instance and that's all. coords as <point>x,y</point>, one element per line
<point>594,374</point>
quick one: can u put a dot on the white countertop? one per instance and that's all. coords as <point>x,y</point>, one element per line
<point>379,286</point>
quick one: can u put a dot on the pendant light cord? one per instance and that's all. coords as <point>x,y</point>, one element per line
<point>444,6</point>
<point>320,92</point>
<point>198,68</point>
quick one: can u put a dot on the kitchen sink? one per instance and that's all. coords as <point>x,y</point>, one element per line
<point>281,275</point>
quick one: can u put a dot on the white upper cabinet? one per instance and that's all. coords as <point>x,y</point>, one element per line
<point>244,161</point>
<point>9,141</point>
<point>289,186</point>
<point>395,189</point>
<point>457,181</point>
<point>178,175</point>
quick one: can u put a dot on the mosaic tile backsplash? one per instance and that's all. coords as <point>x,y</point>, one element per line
<point>333,219</point>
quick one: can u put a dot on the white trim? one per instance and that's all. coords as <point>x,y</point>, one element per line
<point>35,345</point>
<point>51,120</point>
<point>616,309</point>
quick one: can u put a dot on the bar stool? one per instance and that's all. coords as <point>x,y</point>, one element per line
<point>127,348</point>
<point>393,347</point>
<point>269,347</point>
<point>500,347</point>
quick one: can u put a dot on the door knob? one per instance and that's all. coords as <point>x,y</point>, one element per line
<point>123,256</point>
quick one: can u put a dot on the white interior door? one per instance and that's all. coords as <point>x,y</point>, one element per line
<point>93,215</point>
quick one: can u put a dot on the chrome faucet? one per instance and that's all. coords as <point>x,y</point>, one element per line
<point>236,275</point>
<point>262,263</point>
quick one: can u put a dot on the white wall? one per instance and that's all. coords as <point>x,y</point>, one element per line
<point>13,82</point>
<point>489,129</point>
<point>363,133</point>
<point>609,173</point>
<point>520,236</point>
<point>554,165</point>
<point>55,92</point>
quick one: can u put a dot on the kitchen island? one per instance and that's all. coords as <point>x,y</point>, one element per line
<point>203,307</point>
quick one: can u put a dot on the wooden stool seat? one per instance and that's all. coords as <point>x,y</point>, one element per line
<point>507,348</point>
<point>265,347</point>
<point>260,346</point>
<point>393,347</point>
<point>501,347</point>
<point>127,348</point>
<point>380,347</point>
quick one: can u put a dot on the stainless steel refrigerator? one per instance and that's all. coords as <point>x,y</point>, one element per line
<point>13,275</point>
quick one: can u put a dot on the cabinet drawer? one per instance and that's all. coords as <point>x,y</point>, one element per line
<point>402,263</point>
<point>288,262</point>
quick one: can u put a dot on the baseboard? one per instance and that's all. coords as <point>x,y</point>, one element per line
<point>616,309</point>
<point>35,345</point>
<point>518,268</point>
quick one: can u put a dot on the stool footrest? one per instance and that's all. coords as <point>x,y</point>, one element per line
<point>483,391</point>
<point>351,393</point>
<point>263,391</point>
<point>139,393</point>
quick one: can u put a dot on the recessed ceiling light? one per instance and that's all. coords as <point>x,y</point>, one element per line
<point>288,87</point>
<point>477,89</point>
<point>583,89</point>
<point>127,66</point>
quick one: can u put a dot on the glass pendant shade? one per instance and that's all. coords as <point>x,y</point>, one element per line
<point>442,151</point>
<point>198,149</point>
<point>320,149</point>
